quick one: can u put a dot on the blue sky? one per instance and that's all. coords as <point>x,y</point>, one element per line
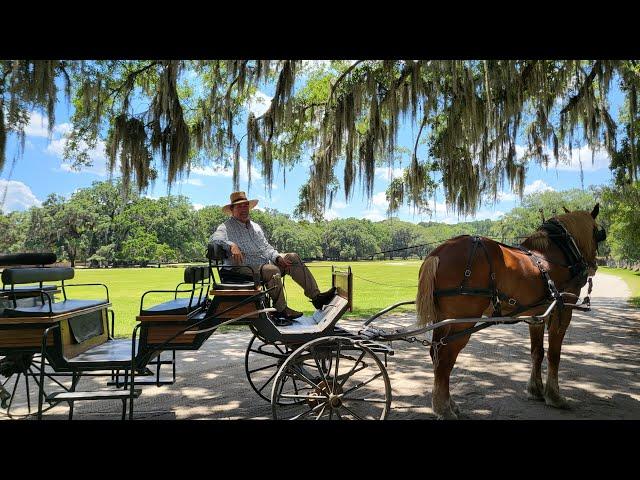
<point>42,170</point>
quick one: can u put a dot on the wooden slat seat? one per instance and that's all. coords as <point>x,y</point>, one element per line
<point>247,292</point>
<point>235,286</point>
<point>179,306</point>
<point>57,308</point>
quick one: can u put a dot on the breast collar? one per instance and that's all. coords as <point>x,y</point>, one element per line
<point>577,265</point>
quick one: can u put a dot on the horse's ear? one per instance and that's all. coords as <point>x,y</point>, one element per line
<point>566,210</point>
<point>595,211</point>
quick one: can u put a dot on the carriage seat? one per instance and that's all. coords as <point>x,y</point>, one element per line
<point>321,320</point>
<point>57,308</point>
<point>13,276</point>
<point>229,278</point>
<point>182,306</point>
<point>14,259</point>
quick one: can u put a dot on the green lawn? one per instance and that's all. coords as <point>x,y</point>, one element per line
<point>376,285</point>
<point>632,279</point>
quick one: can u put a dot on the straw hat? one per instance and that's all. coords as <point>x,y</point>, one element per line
<point>236,198</point>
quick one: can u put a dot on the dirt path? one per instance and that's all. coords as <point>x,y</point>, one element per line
<point>599,374</point>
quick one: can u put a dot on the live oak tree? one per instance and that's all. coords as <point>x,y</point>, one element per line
<point>470,117</point>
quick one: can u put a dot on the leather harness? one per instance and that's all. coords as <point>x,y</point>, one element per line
<point>576,264</point>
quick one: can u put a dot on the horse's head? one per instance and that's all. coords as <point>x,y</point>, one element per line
<point>585,231</point>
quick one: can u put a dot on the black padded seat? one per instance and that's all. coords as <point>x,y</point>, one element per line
<point>36,274</point>
<point>27,289</point>
<point>58,308</point>
<point>111,352</point>
<point>179,306</point>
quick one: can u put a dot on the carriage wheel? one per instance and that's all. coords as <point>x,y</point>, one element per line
<point>337,379</point>
<point>262,361</point>
<point>18,385</point>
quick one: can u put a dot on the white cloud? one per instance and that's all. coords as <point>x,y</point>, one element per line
<point>339,205</point>
<point>63,128</point>
<point>17,196</point>
<point>388,173</point>
<point>506,197</point>
<point>37,126</point>
<point>96,155</point>
<point>374,215</point>
<point>259,103</point>
<point>331,214</point>
<point>198,206</point>
<point>582,155</point>
<point>537,186</point>
<point>380,200</point>
<point>192,181</point>
<point>220,171</point>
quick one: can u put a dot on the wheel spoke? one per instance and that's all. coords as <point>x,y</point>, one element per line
<point>362,384</point>
<point>335,376</point>
<point>311,410</point>
<point>268,381</point>
<point>321,370</point>
<point>262,368</point>
<point>353,368</point>
<point>321,412</point>
<point>304,397</point>
<point>303,377</point>
<point>267,354</point>
<point>352,412</point>
<point>366,400</point>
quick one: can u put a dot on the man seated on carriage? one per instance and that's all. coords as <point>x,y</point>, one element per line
<point>246,244</point>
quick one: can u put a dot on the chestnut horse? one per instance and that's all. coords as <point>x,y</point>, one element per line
<point>516,276</point>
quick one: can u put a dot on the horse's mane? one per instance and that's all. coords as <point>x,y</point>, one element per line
<point>579,224</point>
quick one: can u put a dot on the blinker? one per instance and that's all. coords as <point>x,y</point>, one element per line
<point>600,235</point>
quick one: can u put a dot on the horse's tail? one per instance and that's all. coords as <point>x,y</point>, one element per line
<point>425,304</point>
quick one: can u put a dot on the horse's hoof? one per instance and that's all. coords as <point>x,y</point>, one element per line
<point>557,401</point>
<point>446,414</point>
<point>534,393</point>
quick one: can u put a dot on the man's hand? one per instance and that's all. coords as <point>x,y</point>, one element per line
<point>236,254</point>
<point>283,263</point>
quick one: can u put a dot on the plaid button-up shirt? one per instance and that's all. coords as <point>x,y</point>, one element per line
<point>249,238</point>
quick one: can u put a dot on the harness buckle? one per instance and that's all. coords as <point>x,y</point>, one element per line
<point>512,301</point>
<point>467,273</point>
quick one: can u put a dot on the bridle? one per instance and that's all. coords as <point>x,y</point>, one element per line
<point>576,263</point>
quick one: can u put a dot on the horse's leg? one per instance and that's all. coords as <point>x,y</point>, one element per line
<point>557,328</point>
<point>535,388</point>
<point>444,359</point>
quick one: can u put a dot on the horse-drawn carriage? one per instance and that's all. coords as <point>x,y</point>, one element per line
<point>312,367</point>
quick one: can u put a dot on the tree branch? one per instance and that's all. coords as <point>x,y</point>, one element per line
<point>340,78</point>
<point>583,88</point>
